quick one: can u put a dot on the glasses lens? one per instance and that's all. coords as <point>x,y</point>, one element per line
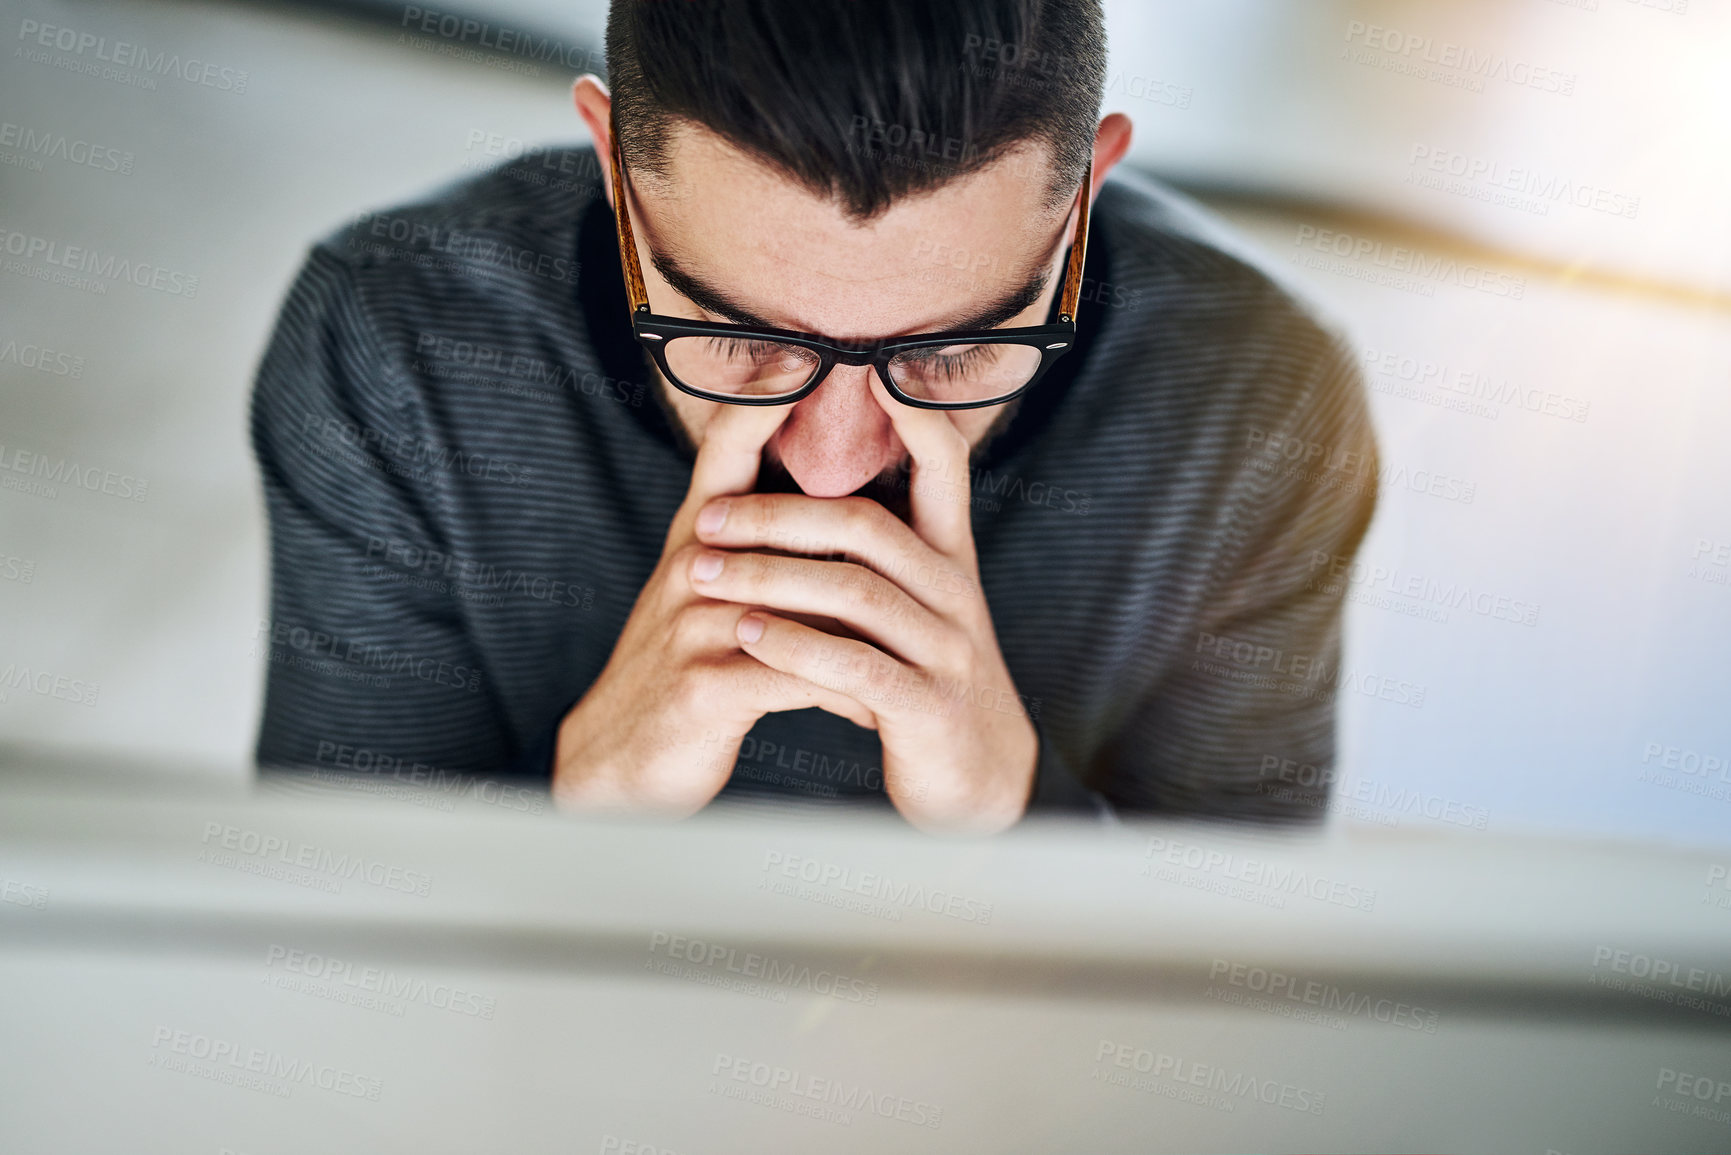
<point>737,367</point>
<point>977,372</point>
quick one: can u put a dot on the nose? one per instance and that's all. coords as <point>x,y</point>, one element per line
<point>838,438</point>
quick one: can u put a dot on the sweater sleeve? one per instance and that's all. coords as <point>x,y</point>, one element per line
<point>1243,724</point>
<point>368,663</point>
<point>1058,789</point>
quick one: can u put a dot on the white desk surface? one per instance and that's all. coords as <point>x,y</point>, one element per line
<point>1436,992</point>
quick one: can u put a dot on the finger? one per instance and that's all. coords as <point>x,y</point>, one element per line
<point>772,691</point>
<point>853,527</point>
<point>708,631</point>
<point>704,626</point>
<point>728,458</point>
<point>859,670</point>
<point>704,629</point>
<point>939,491</point>
<point>732,448</point>
<point>867,602</point>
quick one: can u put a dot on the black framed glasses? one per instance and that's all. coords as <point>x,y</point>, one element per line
<point>747,365</point>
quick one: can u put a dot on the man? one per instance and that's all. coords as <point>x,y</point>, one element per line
<point>639,470</point>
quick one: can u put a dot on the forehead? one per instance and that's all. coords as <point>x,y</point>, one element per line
<point>796,259</point>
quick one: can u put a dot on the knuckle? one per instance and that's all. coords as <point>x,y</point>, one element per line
<point>867,666</point>
<point>861,515</point>
<point>825,659</point>
<point>863,668</point>
<point>762,510</point>
<point>864,589</point>
<point>849,677</point>
<point>689,690</point>
<point>802,648</point>
<point>888,672</point>
<point>679,561</point>
<point>690,627</point>
<point>747,571</point>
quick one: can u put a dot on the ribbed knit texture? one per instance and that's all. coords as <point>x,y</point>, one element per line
<point>469,478</point>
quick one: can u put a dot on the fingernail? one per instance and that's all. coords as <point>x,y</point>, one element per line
<point>711,518</point>
<point>706,567</point>
<point>750,628</point>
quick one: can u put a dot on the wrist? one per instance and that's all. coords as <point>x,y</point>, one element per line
<point>998,798</point>
<point>580,783</point>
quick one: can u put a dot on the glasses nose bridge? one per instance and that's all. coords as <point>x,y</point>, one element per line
<point>854,355</point>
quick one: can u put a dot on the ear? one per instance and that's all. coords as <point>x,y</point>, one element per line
<point>595,106</point>
<point>1111,142</point>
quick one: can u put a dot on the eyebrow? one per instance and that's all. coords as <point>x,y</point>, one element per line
<point>715,300</point>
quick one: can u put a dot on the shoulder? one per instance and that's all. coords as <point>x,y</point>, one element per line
<point>535,196</point>
<point>1242,395</point>
<point>1201,274</point>
<point>1215,333</point>
<point>494,252</point>
<point>504,239</point>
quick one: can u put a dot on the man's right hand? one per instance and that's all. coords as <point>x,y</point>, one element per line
<point>660,729</point>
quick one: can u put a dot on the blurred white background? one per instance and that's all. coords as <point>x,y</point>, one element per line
<point>1578,150</point>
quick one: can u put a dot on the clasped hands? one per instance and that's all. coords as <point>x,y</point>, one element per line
<point>764,602</point>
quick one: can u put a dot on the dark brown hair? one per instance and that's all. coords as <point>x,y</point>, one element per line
<point>863,100</point>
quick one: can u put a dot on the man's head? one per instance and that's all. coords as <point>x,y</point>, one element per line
<point>854,170</point>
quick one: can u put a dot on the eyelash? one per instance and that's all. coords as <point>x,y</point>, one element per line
<point>734,346</point>
<point>949,366</point>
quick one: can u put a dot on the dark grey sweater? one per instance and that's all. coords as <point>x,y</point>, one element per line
<point>469,478</point>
